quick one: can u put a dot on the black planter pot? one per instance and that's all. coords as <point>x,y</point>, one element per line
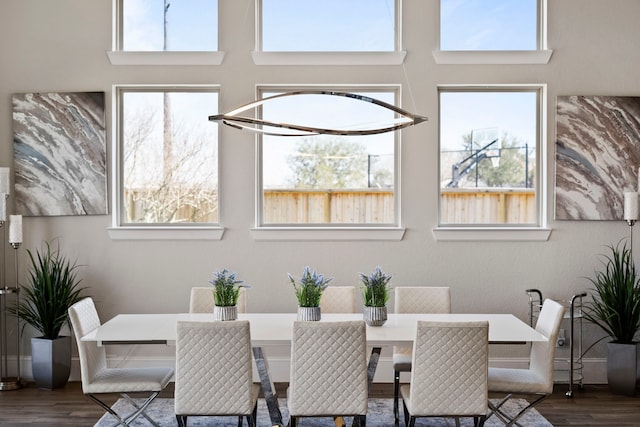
<point>623,368</point>
<point>51,362</point>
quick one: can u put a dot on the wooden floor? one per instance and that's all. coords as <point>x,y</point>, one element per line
<point>592,406</point>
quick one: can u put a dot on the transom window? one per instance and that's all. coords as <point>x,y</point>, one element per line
<point>328,179</point>
<point>328,25</point>
<point>469,25</point>
<point>168,25</point>
<point>489,156</point>
<point>167,155</point>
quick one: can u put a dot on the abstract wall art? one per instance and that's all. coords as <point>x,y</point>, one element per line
<point>597,155</point>
<point>59,142</point>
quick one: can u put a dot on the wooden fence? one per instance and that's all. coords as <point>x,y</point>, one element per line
<point>373,206</point>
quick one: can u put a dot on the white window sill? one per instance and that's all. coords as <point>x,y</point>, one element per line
<point>328,58</point>
<point>477,234</point>
<point>165,233</point>
<point>498,57</point>
<point>327,234</point>
<point>165,58</point>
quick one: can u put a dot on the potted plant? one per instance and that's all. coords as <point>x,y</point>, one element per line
<point>53,287</point>
<point>226,289</point>
<point>308,292</point>
<point>375,294</point>
<point>615,308</point>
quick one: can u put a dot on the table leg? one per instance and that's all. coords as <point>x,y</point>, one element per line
<point>269,394</point>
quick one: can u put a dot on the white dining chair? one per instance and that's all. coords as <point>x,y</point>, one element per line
<point>537,379</point>
<point>414,299</point>
<point>201,300</point>
<point>97,378</point>
<point>323,354</point>
<point>449,372</point>
<point>338,299</point>
<point>214,371</point>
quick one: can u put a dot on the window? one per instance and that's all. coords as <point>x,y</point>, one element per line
<point>167,156</point>
<point>490,156</point>
<point>328,179</point>
<point>328,25</point>
<point>168,25</point>
<point>489,25</point>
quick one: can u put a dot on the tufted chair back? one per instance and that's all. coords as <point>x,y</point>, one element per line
<point>324,354</point>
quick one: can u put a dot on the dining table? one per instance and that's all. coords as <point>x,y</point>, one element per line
<point>276,329</point>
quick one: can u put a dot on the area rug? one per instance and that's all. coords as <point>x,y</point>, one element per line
<point>380,415</point>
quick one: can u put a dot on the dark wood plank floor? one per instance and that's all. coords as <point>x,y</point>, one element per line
<point>592,406</point>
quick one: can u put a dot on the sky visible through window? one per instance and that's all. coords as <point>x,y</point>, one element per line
<point>488,24</point>
<point>328,25</point>
<point>192,25</point>
<point>322,111</point>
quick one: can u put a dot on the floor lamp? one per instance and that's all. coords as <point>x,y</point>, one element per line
<point>6,292</point>
<point>631,213</point>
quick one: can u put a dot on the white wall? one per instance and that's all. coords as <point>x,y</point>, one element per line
<point>61,46</point>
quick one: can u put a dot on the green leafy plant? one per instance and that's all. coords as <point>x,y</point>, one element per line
<point>310,287</point>
<point>226,288</point>
<point>53,288</point>
<point>375,290</point>
<point>615,305</point>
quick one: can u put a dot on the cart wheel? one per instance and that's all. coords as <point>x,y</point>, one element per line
<point>569,393</point>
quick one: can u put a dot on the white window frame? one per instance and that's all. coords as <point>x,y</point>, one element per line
<point>395,57</point>
<point>329,232</point>
<point>117,56</point>
<point>120,231</point>
<point>507,232</point>
<point>542,55</point>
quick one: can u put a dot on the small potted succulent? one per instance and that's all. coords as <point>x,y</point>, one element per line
<point>226,289</point>
<point>308,291</point>
<point>375,294</point>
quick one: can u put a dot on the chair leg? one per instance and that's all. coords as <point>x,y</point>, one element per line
<point>406,414</point>
<point>396,392</point>
<point>182,420</point>
<point>293,422</point>
<point>506,418</point>
<point>129,418</point>
<point>143,406</point>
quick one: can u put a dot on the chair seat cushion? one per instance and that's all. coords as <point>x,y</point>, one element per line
<point>129,380</point>
<point>510,380</point>
<point>402,359</point>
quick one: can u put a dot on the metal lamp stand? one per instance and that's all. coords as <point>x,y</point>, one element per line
<point>8,382</point>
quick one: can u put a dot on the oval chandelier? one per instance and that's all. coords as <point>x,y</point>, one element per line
<point>234,119</point>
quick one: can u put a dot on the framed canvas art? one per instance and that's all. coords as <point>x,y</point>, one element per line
<point>597,155</point>
<point>59,142</point>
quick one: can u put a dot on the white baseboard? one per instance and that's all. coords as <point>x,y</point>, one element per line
<point>595,370</point>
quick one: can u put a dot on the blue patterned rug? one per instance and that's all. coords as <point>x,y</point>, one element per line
<point>380,415</point>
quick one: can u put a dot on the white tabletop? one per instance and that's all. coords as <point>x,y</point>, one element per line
<point>275,329</point>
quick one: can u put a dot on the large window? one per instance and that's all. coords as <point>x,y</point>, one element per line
<point>489,156</point>
<point>470,25</point>
<point>168,25</point>
<point>167,156</point>
<point>328,25</point>
<point>329,179</point>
